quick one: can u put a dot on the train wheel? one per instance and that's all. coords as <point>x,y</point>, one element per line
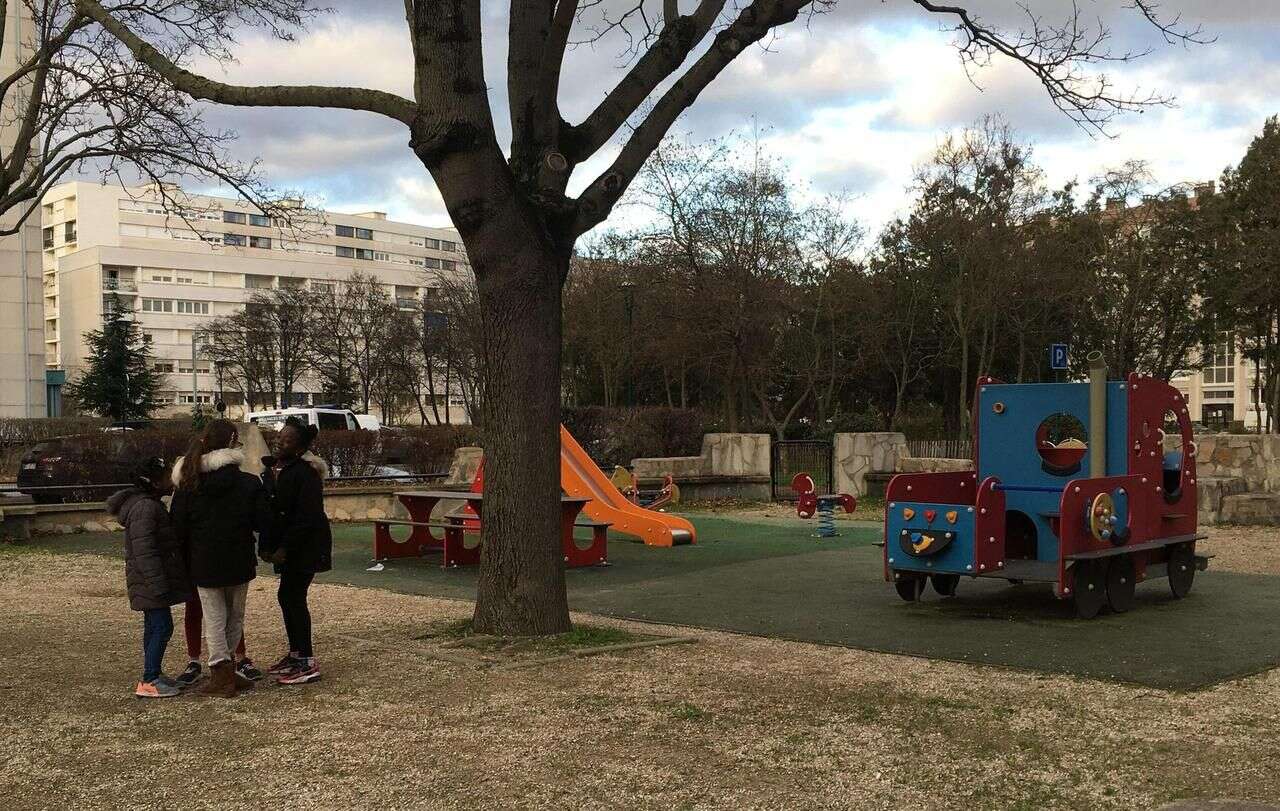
<point>1089,587</point>
<point>1121,583</point>
<point>909,586</point>
<point>945,584</point>
<point>1182,569</point>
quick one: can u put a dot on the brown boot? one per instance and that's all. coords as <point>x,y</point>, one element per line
<point>241,681</point>
<point>222,681</point>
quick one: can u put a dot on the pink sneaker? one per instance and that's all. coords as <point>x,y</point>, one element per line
<point>304,671</point>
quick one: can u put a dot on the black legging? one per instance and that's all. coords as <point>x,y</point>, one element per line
<point>292,595</point>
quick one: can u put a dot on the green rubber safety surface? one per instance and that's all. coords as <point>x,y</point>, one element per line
<point>775,579</point>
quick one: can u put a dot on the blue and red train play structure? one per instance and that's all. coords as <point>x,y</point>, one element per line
<point>1090,487</point>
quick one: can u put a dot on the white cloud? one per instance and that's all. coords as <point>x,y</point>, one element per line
<point>854,100</point>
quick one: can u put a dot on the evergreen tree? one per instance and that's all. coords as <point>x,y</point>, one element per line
<point>1245,261</point>
<point>119,382</point>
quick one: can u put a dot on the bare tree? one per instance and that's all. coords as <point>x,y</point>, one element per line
<point>77,100</point>
<point>519,225</point>
<point>331,342</point>
<point>368,308</point>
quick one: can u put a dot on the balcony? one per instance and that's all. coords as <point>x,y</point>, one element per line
<point>121,285</point>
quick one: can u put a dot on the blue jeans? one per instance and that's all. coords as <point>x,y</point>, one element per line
<point>157,627</point>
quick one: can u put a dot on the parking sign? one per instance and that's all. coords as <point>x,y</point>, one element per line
<point>1058,357</point>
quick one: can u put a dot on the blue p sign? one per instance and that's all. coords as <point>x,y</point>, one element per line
<point>1058,357</point>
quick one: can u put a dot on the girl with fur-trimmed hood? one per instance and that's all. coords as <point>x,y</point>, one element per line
<point>216,510</point>
<point>298,542</point>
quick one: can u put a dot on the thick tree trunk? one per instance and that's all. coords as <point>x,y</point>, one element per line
<point>521,589</point>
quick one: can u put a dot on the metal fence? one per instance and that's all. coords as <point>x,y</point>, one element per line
<point>940,448</point>
<point>800,456</point>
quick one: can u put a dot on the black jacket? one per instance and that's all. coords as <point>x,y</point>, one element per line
<point>155,568</point>
<point>298,521</point>
<point>216,522</point>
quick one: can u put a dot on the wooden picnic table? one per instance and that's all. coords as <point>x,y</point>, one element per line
<point>451,542</point>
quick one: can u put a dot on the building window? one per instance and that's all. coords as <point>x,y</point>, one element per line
<point>446,245</point>
<point>260,242</point>
<point>364,233</point>
<point>166,366</point>
<point>364,253</point>
<point>163,278</point>
<point>431,262</point>
<point>1220,361</point>
<point>69,231</point>
<point>345,253</point>
<point>322,287</point>
<point>157,305</point>
<point>48,238</point>
<point>193,307</point>
<point>234,217</point>
<point>433,243</point>
<point>260,220</point>
<point>381,257</point>
<point>189,399</point>
<point>235,240</point>
<point>258,282</point>
<point>448,264</point>
<point>292,283</point>
<point>344,231</point>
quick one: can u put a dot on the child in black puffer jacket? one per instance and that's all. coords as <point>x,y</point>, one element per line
<point>298,541</point>
<point>155,569</point>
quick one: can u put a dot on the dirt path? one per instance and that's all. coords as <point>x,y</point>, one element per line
<point>727,722</point>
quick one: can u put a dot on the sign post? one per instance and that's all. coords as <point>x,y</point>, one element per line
<point>1058,354</point>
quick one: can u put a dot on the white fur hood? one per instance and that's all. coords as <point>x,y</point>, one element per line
<point>211,461</point>
<point>317,464</point>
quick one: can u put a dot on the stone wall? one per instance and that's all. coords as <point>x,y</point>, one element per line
<point>722,455</point>
<point>856,455</point>
<point>1238,478</point>
<point>1255,458</point>
<point>731,466</point>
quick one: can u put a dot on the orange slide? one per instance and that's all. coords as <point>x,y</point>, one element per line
<point>581,478</point>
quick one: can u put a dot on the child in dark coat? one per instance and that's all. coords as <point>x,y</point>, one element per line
<point>216,510</point>
<point>298,542</point>
<point>155,569</point>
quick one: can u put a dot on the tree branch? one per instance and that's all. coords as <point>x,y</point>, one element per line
<point>200,87</point>
<point>751,25</point>
<point>1056,53</point>
<point>679,36</point>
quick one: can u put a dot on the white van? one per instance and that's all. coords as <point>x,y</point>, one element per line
<point>326,419</point>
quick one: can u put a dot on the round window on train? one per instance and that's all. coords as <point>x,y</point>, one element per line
<point>1061,441</point>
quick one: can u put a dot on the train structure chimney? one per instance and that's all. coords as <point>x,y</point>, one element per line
<point>1097,415</point>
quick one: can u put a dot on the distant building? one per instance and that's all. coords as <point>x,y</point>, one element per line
<point>100,242</point>
<point>22,366</point>
<point>1222,391</point>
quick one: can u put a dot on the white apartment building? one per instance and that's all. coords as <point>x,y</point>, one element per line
<point>1223,391</point>
<point>22,366</point>
<point>177,269</point>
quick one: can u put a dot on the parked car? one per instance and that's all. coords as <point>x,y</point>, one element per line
<point>323,417</point>
<point>68,462</point>
<point>88,466</point>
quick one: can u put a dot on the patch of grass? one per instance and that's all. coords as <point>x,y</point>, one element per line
<point>685,711</point>
<point>591,636</point>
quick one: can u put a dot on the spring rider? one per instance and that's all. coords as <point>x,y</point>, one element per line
<point>810,503</point>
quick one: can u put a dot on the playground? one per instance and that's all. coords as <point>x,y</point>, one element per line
<point>756,721</point>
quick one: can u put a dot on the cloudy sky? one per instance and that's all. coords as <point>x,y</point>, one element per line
<point>851,101</point>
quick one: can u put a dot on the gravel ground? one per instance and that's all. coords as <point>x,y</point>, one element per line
<point>725,722</point>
